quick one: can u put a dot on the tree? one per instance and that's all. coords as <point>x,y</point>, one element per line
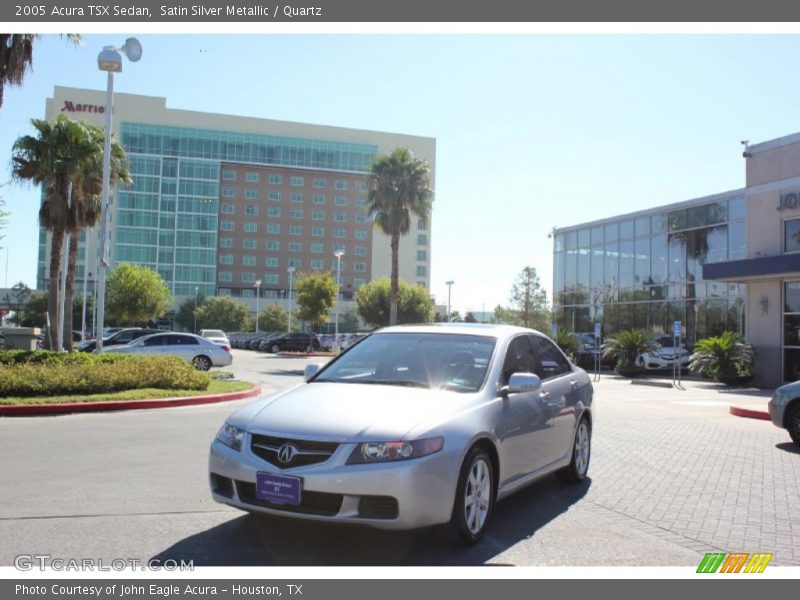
<point>273,318</point>
<point>53,158</point>
<point>136,295</point>
<point>224,313</point>
<point>399,188</point>
<point>373,303</point>
<point>3,216</point>
<point>348,322</point>
<point>16,57</point>
<point>35,312</point>
<point>528,303</point>
<point>17,296</point>
<point>470,318</point>
<point>185,316</point>
<point>316,296</point>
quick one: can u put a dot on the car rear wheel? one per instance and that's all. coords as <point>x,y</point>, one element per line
<point>275,348</point>
<point>577,469</point>
<point>201,363</point>
<point>309,349</point>
<point>793,424</point>
<point>474,497</point>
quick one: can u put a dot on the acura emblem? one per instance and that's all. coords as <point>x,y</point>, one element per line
<point>287,452</point>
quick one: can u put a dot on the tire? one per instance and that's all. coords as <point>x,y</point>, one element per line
<point>309,349</point>
<point>578,467</point>
<point>793,424</point>
<point>474,500</point>
<point>201,363</point>
<point>275,348</point>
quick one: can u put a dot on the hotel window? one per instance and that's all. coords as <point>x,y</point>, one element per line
<point>225,276</point>
<point>318,199</point>
<point>422,239</point>
<point>295,246</point>
<point>339,233</point>
<point>271,278</point>
<point>362,219</point>
<point>360,267</point>
<point>422,271</point>
<point>361,203</point>
<point>361,186</point>
<point>248,277</point>
<point>340,217</point>
<point>226,259</point>
<point>228,192</point>
<point>360,234</point>
<point>251,211</point>
<point>318,215</point>
<point>226,225</point>
<point>297,197</point>
<point>250,227</point>
<point>228,209</point>
<point>251,177</point>
<point>421,225</point>
<point>296,213</point>
<point>422,255</point>
<point>252,194</point>
<point>249,243</point>
<point>275,179</point>
<point>296,180</point>
<point>334,264</point>
<point>360,251</point>
<point>273,245</point>
<point>340,201</point>
<point>791,235</point>
<point>224,291</point>
<point>274,212</point>
<point>249,260</point>
<point>317,248</point>
<point>272,261</point>
<point>225,242</point>
<point>317,264</point>
<point>248,293</point>
<point>358,282</point>
<point>339,248</point>
<point>273,228</point>
<point>296,263</point>
<point>295,230</point>
<point>318,231</point>
<point>341,184</point>
<point>228,175</point>
<point>274,196</point>
<point>320,182</point>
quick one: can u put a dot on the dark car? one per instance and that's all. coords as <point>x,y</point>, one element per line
<point>588,352</point>
<point>294,342</point>
<point>124,336</point>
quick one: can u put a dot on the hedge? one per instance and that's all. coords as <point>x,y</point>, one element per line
<point>54,374</point>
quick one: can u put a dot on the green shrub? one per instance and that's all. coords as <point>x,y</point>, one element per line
<point>56,374</point>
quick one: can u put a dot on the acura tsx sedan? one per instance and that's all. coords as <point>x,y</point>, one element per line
<point>410,427</point>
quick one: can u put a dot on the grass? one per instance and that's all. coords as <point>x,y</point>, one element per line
<point>216,387</point>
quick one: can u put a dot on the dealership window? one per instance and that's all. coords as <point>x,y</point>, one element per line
<point>791,329</point>
<point>791,235</point>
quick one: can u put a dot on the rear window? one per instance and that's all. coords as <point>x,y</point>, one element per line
<point>213,333</point>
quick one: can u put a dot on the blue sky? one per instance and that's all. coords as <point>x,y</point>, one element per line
<point>533,131</point>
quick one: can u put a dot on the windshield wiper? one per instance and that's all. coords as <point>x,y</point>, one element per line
<point>401,382</point>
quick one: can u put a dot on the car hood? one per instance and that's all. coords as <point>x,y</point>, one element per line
<point>348,411</point>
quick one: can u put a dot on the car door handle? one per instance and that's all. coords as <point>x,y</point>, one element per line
<point>573,383</point>
<point>545,396</point>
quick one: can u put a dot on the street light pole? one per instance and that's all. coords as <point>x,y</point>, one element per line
<point>194,312</point>
<point>257,285</point>
<point>83,317</point>
<point>449,286</point>
<point>290,270</point>
<point>338,254</point>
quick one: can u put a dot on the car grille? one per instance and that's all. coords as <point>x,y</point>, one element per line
<point>312,503</point>
<point>377,507</point>
<point>296,453</point>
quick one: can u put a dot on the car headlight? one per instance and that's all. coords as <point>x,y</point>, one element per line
<point>373,452</point>
<point>231,436</point>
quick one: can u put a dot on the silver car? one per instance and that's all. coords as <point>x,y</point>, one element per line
<point>411,426</point>
<point>784,409</point>
<point>202,353</point>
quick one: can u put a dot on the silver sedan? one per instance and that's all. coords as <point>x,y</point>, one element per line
<point>202,353</point>
<point>412,426</point>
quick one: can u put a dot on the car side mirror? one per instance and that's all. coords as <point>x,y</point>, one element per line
<point>521,383</point>
<point>310,371</point>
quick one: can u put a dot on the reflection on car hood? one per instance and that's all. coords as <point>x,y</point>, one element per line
<point>350,411</point>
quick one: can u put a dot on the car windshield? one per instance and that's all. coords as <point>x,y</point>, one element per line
<point>426,360</point>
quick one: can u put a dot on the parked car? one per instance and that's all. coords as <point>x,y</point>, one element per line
<point>215,335</point>
<point>411,427</point>
<point>119,338</point>
<point>784,409</point>
<point>294,342</point>
<point>202,353</point>
<point>666,355</point>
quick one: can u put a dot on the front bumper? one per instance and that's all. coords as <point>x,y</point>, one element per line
<point>656,363</point>
<point>776,409</point>
<point>392,495</point>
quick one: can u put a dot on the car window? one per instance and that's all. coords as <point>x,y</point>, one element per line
<point>552,362</point>
<point>124,336</point>
<point>519,359</point>
<point>181,340</point>
<point>156,340</point>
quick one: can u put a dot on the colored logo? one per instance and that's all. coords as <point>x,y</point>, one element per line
<point>736,562</point>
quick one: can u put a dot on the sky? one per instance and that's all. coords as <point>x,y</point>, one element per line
<point>533,131</point>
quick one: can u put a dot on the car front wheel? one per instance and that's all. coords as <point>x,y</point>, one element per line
<point>794,424</point>
<point>576,471</point>
<point>201,363</point>
<point>474,497</point>
<point>275,348</point>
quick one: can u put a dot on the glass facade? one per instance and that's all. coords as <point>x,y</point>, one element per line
<point>646,271</point>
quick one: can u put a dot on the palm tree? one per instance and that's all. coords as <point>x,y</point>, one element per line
<point>399,188</point>
<point>16,57</point>
<point>85,209</point>
<point>53,158</point>
<point>627,346</point>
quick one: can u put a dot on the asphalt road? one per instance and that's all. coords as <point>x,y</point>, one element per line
<point>673,476</point>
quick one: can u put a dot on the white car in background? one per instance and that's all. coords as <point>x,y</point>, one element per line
<point>199,351</point>
<point>666,355</point>
<point>215,335</point>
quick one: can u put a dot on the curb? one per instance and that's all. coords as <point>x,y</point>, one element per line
<point>750,414</point>
<point>17,410</point>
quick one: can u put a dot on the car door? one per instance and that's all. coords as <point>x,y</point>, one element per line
<point>184,346</point>
<point>560,390</point>
<point>526,418</point>
<point>152,345</point>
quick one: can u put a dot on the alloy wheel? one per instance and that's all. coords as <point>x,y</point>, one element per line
<point>582,448</point>
<point>477,495</point>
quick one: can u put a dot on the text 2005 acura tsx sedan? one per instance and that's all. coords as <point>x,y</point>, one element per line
<point>412,426</point>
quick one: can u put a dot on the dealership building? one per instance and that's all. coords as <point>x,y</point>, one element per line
<point>729,261</point>
<point>220,202</point>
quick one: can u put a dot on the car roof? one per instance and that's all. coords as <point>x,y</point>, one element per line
<point>484,329</point>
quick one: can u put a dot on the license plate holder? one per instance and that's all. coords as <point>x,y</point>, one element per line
<point>279,489</point>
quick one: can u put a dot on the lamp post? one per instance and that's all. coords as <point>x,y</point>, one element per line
<point>338,254</point>
<point>257,285</point>
<point>109,60</point>
<point>194,312</point>
<point>83,317</point>
<point>449,286</point>
<point>290,271</point>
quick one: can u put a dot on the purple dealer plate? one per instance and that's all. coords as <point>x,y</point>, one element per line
<point>279,489</point>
